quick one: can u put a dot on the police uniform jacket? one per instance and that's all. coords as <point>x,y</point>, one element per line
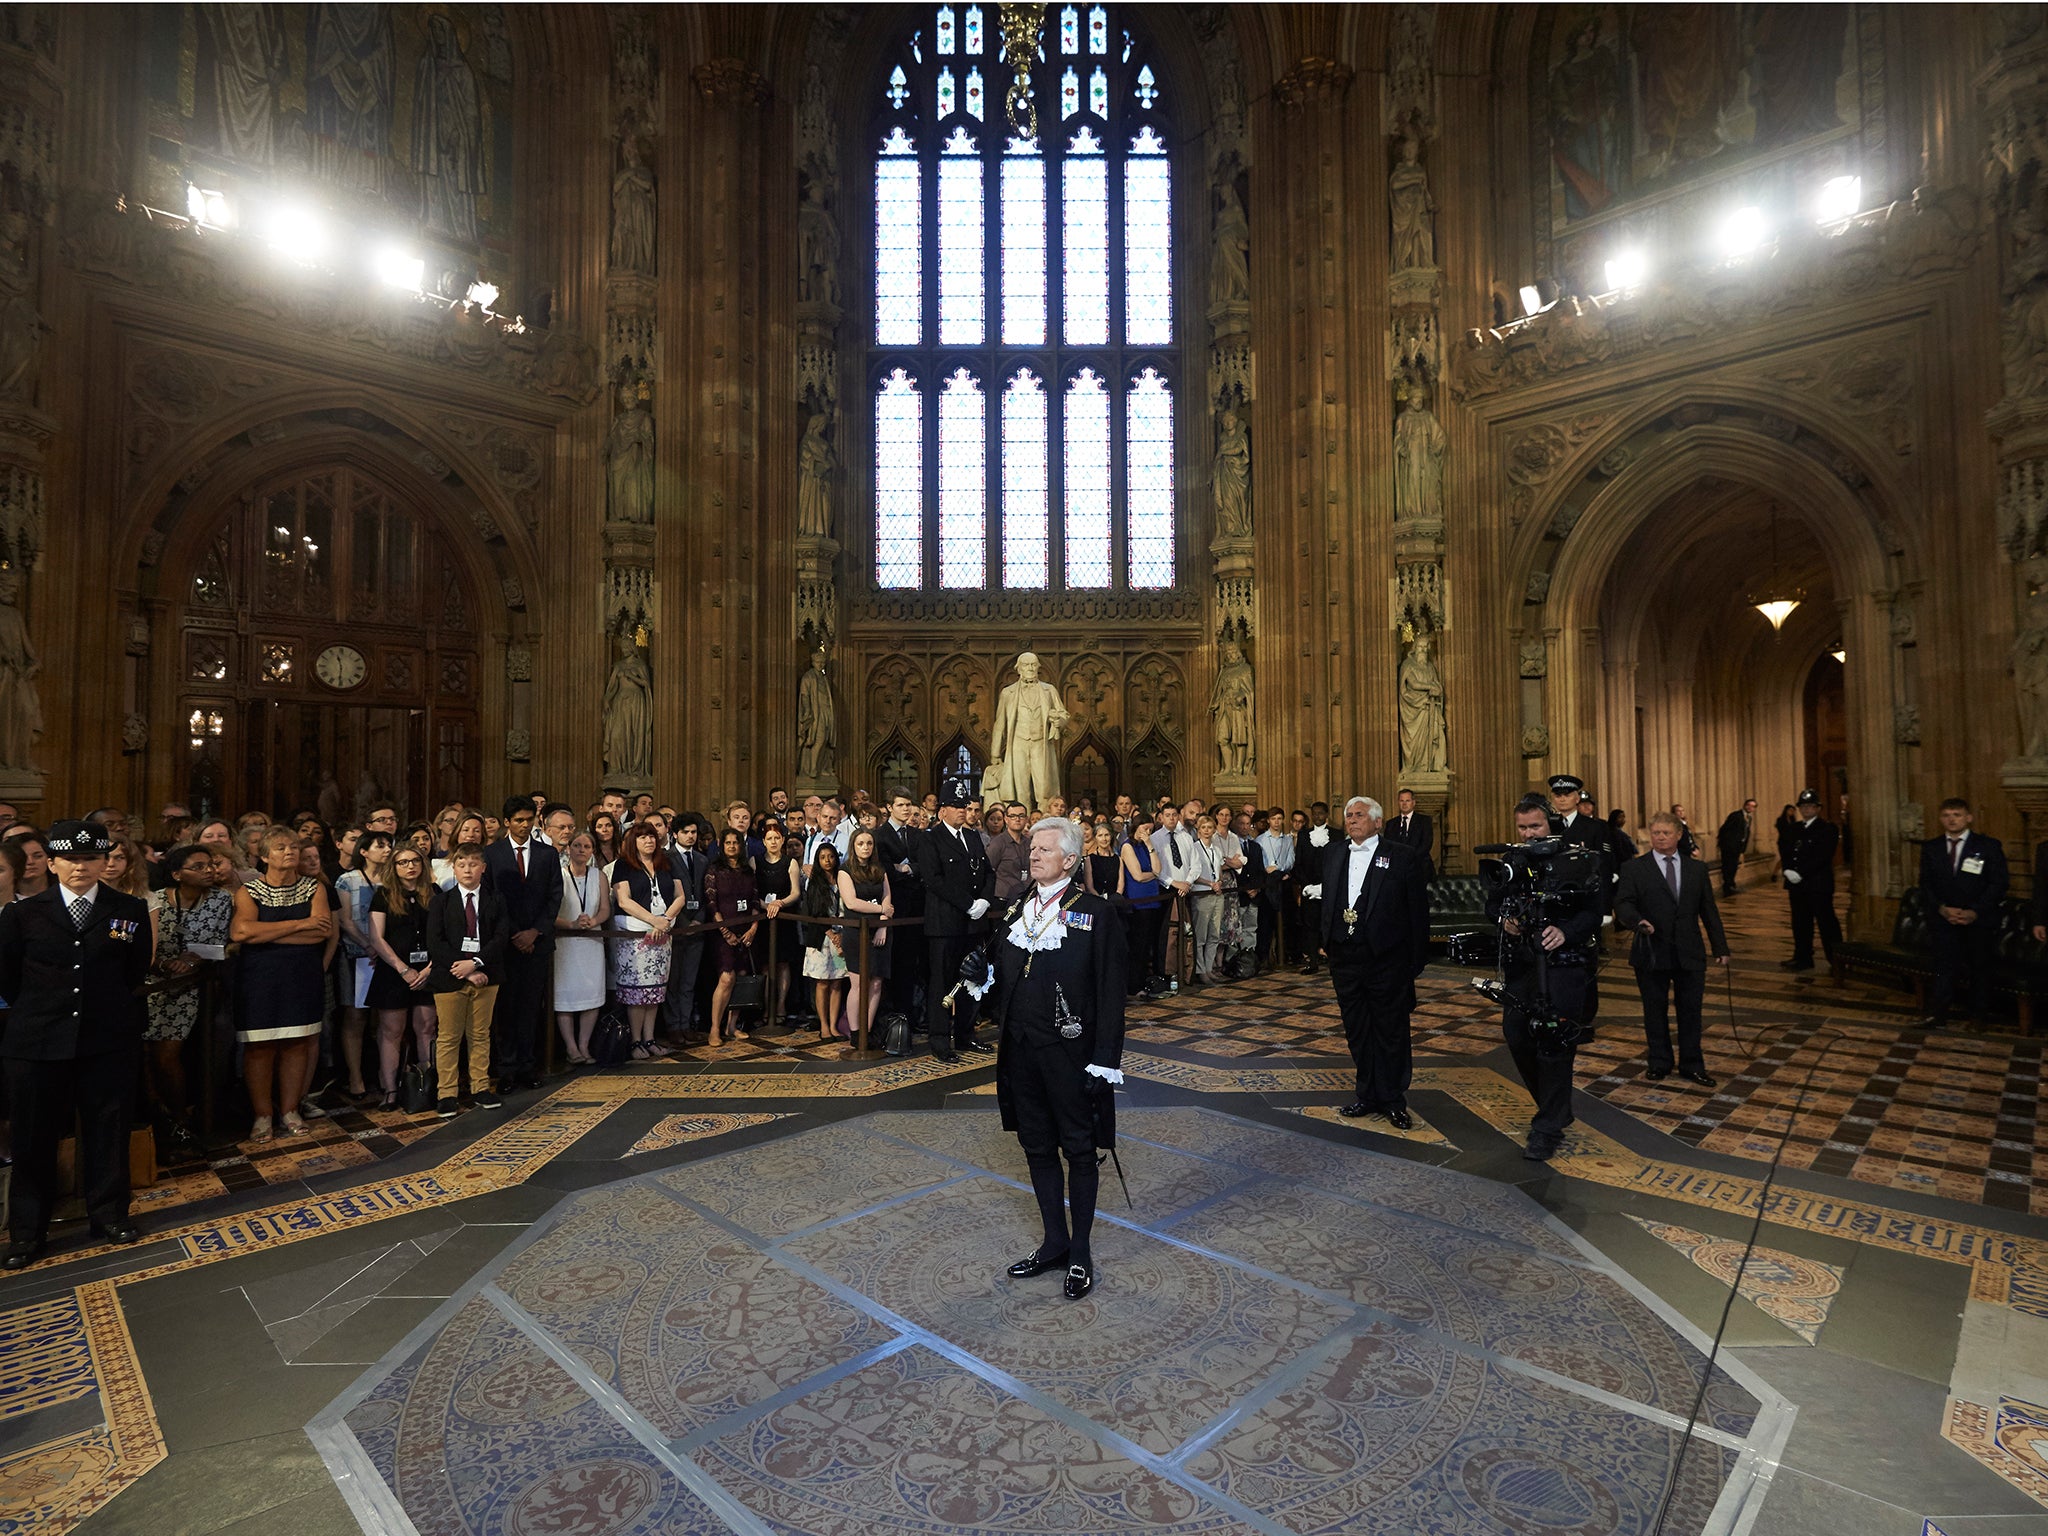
<point>955,872</point>
<point>1809,848</point>
<point>1088,969</point>
<point>73,994</point>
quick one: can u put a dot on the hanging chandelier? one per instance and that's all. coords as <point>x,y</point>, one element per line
<point>1776,599</point>
<point>1020,27</point>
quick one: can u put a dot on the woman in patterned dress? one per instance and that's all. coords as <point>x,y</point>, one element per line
<point>648,900</point>
<point>190,918</point>
<point>284,925</point>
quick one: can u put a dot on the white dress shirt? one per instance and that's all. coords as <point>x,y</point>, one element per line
<point>1358,860</point>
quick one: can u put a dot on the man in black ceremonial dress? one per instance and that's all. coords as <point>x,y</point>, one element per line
<point>958,882</point>
<point>1059,956</point>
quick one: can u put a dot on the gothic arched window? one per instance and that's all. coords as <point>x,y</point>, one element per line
<point>1022,363</point>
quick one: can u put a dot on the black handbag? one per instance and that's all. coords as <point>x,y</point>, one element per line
<point>611,1039</point>
<point>895,1035</point>
<point>749,993</point>
<point>416,1088</point>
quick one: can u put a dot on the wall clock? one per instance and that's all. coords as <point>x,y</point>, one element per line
<point>340,667</point>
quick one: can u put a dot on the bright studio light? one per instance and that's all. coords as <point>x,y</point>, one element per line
<point>1627,270</point>
<point>297,234</point>
<point>208,208</point>
<point>1532,299</point>
<point>399,268</point>
<point>482,294</point>
<point>1742,232</point>
<point>1841,197</point>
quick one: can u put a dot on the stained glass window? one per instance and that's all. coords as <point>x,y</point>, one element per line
<point>1027,467</point>
<point>899,483</point>
<point>1051,470</point>
<point>963,483</point>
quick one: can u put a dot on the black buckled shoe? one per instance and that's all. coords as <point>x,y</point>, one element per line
<point>1080,1281</point>
<point>1039,1263</point>
<point>1400,1119</point>
<point>1355,1110</point>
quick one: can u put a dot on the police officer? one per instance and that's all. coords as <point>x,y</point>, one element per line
<point>1572,820</point>
<point>1567,940</point>
<point>1060,959</point>
<point>1807,856</point>
<point>73,959</point>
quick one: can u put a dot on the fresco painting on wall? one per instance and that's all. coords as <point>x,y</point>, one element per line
<point>395,112</point>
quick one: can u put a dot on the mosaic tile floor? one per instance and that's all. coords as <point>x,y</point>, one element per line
<point>813,1335</point>
<point>344,1138</point>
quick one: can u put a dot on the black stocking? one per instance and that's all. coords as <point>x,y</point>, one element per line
<point>1045,1183</point>
<point>1084,1176</point>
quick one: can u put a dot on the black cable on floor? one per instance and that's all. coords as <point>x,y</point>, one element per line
<point>1749,1248</point>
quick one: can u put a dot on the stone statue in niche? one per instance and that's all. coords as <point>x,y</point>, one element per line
<point>632,210</point>
<point>1410,203</point>
<point>1418,461</point>
<point>817,724</point>
<point>814,463</point>
<point>1230,275</point>
<point>1422,711</point>
<point>817,244</point>
<point>1232,705</point>
<point>629,459</point>
<point>629,715</point>
<point>1232,478</point>
<point>21,712</point>
<point>2030,677</point>
<point>1029,719</point>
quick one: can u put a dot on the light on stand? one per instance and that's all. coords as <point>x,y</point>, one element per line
<point>1627,270</point>
<point>1532,300</point>
<point>482,294</point>
<point>1841,197</point>
<point>400,269</point>
<point>207,208</point>
<point>1742,232</point>
<point>297,234</point>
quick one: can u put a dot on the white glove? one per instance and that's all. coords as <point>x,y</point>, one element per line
<point>979,910</point>
<point>1319,837</point>
<point>1311,893</point>
<point>1792,877</point>
<point>1107,1074</point>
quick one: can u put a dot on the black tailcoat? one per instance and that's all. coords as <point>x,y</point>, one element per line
<point>1089,970</point>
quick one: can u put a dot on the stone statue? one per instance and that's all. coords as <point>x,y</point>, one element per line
<point>1029,719</point>
<point>1230,276</point>
<point>1411,205</point>
<point>629,716</point>
<point>632,210</point>
<point>1418,461</point>
<point>814,481</point>
<point>629,460</point>
<point>817,725</point>
<point>2030,677</point>
<point>1231,706</point>
<point>817,244</point>
<point>1422,711</point>
<point>21,713</point>
<point>1232,480</point>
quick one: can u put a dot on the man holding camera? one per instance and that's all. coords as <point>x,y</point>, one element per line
<point>1550,940</point>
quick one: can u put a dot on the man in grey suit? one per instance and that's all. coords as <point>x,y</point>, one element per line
<point>1665,897</point>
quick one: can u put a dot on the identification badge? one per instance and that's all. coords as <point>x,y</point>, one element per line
<point>1973,866</point>
<point>740,905</point>
<point>1084,921</point>
<point>690,905</point>
<point>472,946</point>
<point>417,957</point>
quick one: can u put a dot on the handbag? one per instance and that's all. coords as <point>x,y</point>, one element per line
<point>749,993</point>
<point>416,1088</point>
<point>611,1040</point>
<point>895,1035</point>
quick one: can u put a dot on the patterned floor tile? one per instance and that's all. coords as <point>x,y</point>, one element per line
<point>1422,1131</point>
<point>686,1321</point>
<point>1797,1291</point>
<point>675,1130</point>
<point>915,1444</point>
<point>1395,1433</point>
<point>1161,1347</point>
<point>786,1185</point>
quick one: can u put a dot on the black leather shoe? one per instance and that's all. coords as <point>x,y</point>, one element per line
<point>948,1057</point>
<point>120,1232</point>
<point>1308,969</point>
<point>1080,1281</point>
<point>1400,1120</point>
<point>980,1046</point>
<point>1355,1110</point>
<point>1541,1149</point>
<point>1705,1080</point>
<point>1037,1264</point>
<point>1656,1074</point>
<point>21,1255</point>
<point>1795,965</point>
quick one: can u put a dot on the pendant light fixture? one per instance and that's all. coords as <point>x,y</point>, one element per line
<point>1776,599</point>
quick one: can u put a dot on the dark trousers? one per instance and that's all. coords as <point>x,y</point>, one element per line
<point>1308,924</point>
<point>1659,988</point>
<point>1548,1077</point>
<point>1376,997</point>
<point>947,1028</point>
<point>524,1002</point>
<point>1962,956</point>
<point>679,1003</point>
<point>906,970</point>
<point>1810,909</point>
<point>95,1094</point>
<point>1053,1102</point>
<point>1142,933</point>
<point>1731,863</point>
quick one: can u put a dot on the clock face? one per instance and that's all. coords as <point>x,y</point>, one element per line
<point>340,666</point>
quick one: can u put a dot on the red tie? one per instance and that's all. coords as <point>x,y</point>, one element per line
<point>469,913</point>
<point>520,849</point>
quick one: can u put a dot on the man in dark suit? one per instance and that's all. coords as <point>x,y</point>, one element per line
<point>1734,839</point>
<point>1807,856</point>
<point>1964,876</point>
<point>895,840</point>
<point>688,862</point>
<point>467,931</point>
<point>73,958</point>
<point>526,874</point>
<point>1410,827</point>
<point>1311,850</point>
<point>958,884</point>
<point>1060,959</point>
<point>1375,931</point>
<point>1664,897</point>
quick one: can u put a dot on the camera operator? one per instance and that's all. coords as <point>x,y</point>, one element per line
<point>1548,904</point>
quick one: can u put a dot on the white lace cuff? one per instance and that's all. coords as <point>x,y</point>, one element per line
<point>1107,1074</point>
<point>978,993</point>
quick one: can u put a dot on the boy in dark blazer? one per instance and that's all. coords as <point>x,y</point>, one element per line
<point>1667,953</point>
<point>466,935</point>
<point>1964,875</point>
<point>524,870</point>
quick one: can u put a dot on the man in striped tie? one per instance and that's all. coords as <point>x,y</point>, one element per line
<point>1664,898</point>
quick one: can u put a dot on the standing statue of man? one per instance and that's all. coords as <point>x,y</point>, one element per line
<point>817,729</point>
<point>1231,704</point>
<point>629,459</point>
<point>814,481</point>
<point>1422,712</point>
<point>1029,719</point>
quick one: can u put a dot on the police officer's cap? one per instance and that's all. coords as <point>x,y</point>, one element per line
<point>1566,784</point>
<point>1808,797</point>
<point>955,793</point>
<point>78,840</point>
